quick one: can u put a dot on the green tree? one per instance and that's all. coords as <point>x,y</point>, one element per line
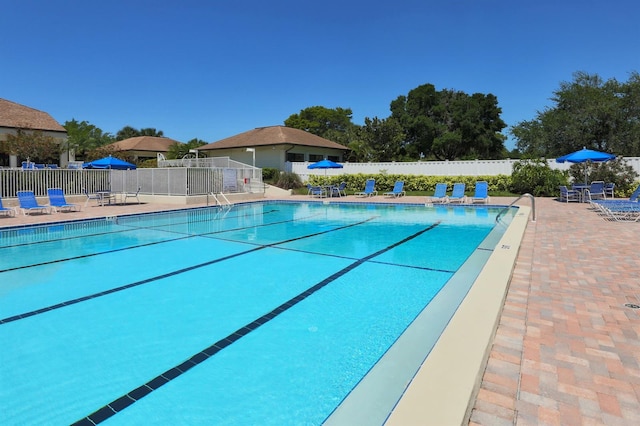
<point>450,125</point>
<point>333,124</point>
<point>130,132</point>
<point>382,140</point>
<point>588,112</point>
<point>33,145</point>
<point>179,150</point>
<point>83,137</point>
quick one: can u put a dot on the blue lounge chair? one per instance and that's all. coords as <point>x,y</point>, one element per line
<point>369,189</point>
<point>58,202</point>
<point>28,203</point>
<point>7,211</point>
<point>457,195</point>
<point>481,194</point>
<point>440,194</point>
<point>634,199</point>
<point>397,191</point>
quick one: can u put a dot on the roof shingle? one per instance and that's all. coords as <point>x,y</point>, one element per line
<point>272,135</point>
<point>144,143</point>
<point>18,116</point>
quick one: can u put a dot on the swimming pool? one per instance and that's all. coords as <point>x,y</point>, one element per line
<point>266,313</point>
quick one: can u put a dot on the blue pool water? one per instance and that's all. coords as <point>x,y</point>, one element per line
<point>266,313</point>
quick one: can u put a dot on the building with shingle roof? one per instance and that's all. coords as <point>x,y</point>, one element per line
<point>275,145</point>
<point>14,117</point>
<point>143,147</point>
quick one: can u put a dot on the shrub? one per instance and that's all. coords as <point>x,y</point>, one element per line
<point>537,178</point>
<point>270,174</point>
<point>289,180</point>
<point>616,171</point>
<point>412,183</point>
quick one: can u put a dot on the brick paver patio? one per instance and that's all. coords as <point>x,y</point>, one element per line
<point>567,350</point>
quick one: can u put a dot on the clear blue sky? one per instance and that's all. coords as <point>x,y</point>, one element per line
<point>212,69</point>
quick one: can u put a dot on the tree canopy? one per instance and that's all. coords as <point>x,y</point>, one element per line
<point>83,137</point>
<point>34,145</point>
<point>588,112</point>
<point>179,150</point>
<point>449,125</point>
<point>446,125</point>
<point>130,132</point>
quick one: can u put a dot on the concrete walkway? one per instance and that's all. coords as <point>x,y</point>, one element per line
<point>567,350</point>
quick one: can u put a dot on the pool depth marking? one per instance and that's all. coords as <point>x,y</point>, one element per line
<point>169,274</point>
<point>131,397</point>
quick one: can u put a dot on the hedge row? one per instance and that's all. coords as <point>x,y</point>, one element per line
<point>385,182</point>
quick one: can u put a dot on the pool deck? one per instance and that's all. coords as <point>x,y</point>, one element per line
<point>567,349</point>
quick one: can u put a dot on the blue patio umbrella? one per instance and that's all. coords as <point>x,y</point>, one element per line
<point>109,163</point>
<point>585,155</point>
<point>324,164</point>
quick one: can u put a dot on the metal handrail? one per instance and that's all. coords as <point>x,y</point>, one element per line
<point>533,206</point>
<point>218,202</point>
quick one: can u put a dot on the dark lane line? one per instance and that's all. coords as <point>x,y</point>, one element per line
<point>131,397</point>
<point>183,237</point>
<point>169,274</point>
<point>424,268</point>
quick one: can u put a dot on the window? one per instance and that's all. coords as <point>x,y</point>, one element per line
<point>315,157</point>
<point>294,156</point>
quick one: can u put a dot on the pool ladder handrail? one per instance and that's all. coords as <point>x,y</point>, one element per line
<point>533,206</point>
<point>218,202</point>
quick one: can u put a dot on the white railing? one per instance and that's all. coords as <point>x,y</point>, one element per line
<point>430,168</point>
<point>180,181</point>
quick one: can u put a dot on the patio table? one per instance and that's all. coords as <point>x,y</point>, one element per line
<point>582,188</point>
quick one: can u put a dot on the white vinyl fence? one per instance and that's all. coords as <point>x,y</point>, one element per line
<point>430,168</point>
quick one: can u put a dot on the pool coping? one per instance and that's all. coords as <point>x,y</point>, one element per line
<point>444,395</point>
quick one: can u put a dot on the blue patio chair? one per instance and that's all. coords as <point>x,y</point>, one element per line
<point>128,195</point>
<point>397,191</point>
<point>339,190</point>
<point>6,211</point>
<point>481,192</point>
<point>608,189</point>
<point>440,194</point>
<point>596,191</point>
<point>369,189</point>
<point>457,195</point>
<point>317,192</point>
<point>58,202</point>
<point>28,203</point>
<point>568,195</point>
<point>90,197</point>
